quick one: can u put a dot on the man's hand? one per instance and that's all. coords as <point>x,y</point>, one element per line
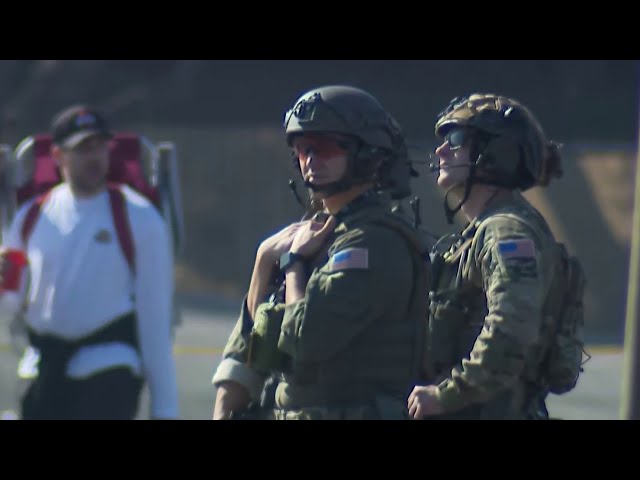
<point>423,401</point>
<point>273,247</point>
<point>311,236</point>
<point>267,259</point>
<point>230,397</point>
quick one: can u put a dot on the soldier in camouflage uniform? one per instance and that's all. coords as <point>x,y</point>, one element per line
<point>489,301</point>
<point>344,338</point>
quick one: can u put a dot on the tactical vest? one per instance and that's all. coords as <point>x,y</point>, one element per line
<point>456,317</point>
<point>302,388</point>
<point>458,309</point>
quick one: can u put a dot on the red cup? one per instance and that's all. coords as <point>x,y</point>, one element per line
<point>15,261</point>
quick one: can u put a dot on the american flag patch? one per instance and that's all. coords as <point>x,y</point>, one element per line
<point>517,248</point>
<point>349,259</point>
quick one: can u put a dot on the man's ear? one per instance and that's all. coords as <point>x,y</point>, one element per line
<point>56,154</point>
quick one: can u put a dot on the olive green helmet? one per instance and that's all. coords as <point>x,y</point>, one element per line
<point>514,140</point>
<point>346,110</point>
<point>353,112</point>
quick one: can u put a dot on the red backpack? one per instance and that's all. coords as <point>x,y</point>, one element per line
<point>120,220</point>
<point>125,167</point>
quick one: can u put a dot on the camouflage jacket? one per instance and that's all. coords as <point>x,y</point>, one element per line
<point>487,310</point>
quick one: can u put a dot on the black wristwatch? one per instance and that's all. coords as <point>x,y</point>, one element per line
<point>287,260</point>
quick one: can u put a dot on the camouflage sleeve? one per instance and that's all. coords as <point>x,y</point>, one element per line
<point>358,283</point>
<point>234,358</point>
<point>507,260</point>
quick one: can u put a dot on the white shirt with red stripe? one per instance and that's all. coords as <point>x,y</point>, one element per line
<point>81,281</point>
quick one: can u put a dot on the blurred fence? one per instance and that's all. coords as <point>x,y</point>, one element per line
<point>235,193</point>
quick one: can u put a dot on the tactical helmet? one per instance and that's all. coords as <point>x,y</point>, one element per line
<point>355,113</point>
<point>514,148</point>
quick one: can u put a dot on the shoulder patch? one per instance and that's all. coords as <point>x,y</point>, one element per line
<point>523,248</point>
<point>518,258</point>
<point>349,258</point>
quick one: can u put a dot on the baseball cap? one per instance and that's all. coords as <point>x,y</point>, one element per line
<point>77,123</point>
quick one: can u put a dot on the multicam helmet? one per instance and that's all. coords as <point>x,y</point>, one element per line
<point>514,146</point>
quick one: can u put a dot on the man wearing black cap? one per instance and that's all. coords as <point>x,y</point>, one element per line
<point>80,137</point>
<point>99,318</point>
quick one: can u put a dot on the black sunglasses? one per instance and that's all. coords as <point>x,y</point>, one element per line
<point>457,138</point>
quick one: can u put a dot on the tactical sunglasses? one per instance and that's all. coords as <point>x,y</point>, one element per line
<point>457,138</point>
